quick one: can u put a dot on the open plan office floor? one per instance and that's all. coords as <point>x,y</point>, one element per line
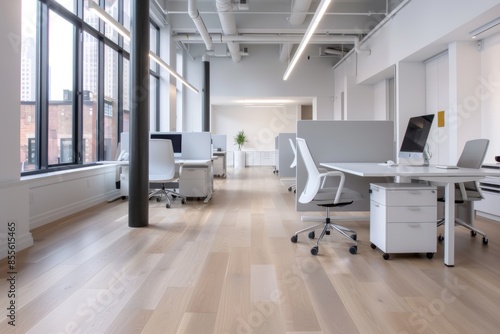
<point>229,267</point>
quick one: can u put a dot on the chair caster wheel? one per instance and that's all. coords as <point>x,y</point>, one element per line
<point>183,201</point>
<point>168,206</point>
<point>354,237</point>
<point>158,199</point>
<point>440,238</point>
<point>353,249</point>
<point>314,250</point>
<point>311,235</point>
<point>485,241</point>
<point>473,233</point>
<point>373,246</point>
<point>294,238</point>
<point>289,188</point>
<point>429,255</point>
<point>385,256</point>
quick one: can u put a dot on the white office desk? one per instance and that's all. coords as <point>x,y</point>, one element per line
<point>446,177</point>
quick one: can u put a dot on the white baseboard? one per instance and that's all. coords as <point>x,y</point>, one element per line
<point>50,216</point>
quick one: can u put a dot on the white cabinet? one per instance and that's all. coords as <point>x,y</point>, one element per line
<point>403,218</point>
<point>195,181</point>
<point>220,163</point>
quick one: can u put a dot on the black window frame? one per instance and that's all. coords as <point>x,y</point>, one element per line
<point>42,93</point>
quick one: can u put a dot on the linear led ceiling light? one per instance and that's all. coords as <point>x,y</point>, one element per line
<point>309,32</point>
<point>103,15</point>
<point>171,71</point>
<point>474,33</point>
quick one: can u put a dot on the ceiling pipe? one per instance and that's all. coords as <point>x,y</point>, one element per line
<point>330,51</point>
<point>358,49</point>
<point>299,12</point>
<point>268,39</point>
<point>286,49</point>
<point>198,22</point>
<point>224,55</point>
<point>226,17</point>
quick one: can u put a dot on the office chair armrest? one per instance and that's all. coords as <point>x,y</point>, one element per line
<point>334,173</point>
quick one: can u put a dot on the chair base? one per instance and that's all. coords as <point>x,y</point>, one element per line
<point>326,227</point>
<point>165,192</point>
<point>472,229</point>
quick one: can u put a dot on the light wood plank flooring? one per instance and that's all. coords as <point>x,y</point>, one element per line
<point>229,267</point>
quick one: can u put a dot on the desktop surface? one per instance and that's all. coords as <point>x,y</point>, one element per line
<point>373,169</point>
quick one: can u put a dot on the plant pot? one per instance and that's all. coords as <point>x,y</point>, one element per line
<point>239,159</point>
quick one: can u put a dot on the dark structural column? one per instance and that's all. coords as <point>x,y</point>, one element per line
<point>206,96</point>
<point>138,205</point>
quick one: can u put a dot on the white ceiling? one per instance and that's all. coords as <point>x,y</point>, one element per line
<point>268,22</point>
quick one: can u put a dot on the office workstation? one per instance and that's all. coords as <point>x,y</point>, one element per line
<point>370,157</point>
<point>193,157</point>
<point>212,268</point>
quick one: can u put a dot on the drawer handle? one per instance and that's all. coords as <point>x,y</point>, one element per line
<point>414,208</point>
<point>413,225</point>
<point>376,205</point>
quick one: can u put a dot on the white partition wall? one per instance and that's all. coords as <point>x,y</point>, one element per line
<point>346,141</point>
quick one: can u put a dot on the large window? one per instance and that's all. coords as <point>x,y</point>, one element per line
<point>28,152</point>
<point>90,94</point>
<point>110,103</point>
<point>75,89</point>
<point>154,79</point>
<point>61,90</point>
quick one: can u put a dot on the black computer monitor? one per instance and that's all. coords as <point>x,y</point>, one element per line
<point>415,138</point>
<point>176,139</point>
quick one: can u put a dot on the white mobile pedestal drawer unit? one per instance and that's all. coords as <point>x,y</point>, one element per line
<point>403,218</point>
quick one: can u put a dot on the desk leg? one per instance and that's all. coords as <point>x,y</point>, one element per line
<point>449,225</point>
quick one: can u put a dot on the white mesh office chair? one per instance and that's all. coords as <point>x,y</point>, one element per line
<point>472,157</point>
<point>162,169</point>
<point>293,164</point>
<point>316,192</point>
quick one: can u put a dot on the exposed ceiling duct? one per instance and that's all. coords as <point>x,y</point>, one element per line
<point>299,11</point>
<point>226,17</point>
<point>267,39</point>
<point>198,22</point>
<point>298,16</point>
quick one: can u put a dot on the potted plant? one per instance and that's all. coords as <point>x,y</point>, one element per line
<point>239,156</point>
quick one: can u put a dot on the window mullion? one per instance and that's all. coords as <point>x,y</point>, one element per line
<point>43,84</point>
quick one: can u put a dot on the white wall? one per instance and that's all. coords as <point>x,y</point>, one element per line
<point>359,100</point>
<point>261,124</point>
<point>381,100</point>
<point>13,194</point>
<point>490,95</point>
<point>438,99</point>
<point>192,102</point>
<point>406,33</point>
<point>261,75</point>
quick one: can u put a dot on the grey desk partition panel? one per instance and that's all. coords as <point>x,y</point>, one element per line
<point>346,141</point>
<point>219,141</point>
<point>196,145</point>
<point>286,154</point>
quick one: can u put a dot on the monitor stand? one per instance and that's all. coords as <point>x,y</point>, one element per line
<point>427,157</point>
